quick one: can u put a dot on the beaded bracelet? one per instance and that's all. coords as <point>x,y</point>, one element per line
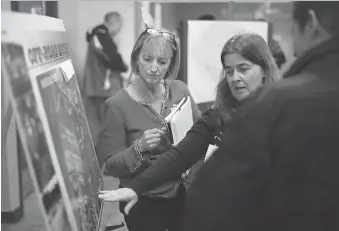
<point>141,158</point>
<point>142,155</point>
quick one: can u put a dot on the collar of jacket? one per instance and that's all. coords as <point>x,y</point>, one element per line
<point>325,48</point>
<point>101,29</point>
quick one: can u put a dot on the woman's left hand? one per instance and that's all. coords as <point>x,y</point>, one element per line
<point>122,194</point>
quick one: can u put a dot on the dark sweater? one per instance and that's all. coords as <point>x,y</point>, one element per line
<point>125,120</point>
<point>172,163</point>
<point>277,167</point>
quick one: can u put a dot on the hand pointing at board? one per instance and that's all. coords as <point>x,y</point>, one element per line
<point>121,194</point>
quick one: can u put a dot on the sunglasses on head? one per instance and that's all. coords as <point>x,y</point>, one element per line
<point>164,34</point>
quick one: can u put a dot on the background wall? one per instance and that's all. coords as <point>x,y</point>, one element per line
<point>174,13</point>
<point>68,11</point>
<point>5,5</point>
<point>169,18</point>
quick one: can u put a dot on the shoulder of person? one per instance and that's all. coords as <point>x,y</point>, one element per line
<point>293,81</point>
<point>118,100</point>
<point>100,29</point>
<point>177,85</point>
<point>266,103</point>
<point>286,88</point>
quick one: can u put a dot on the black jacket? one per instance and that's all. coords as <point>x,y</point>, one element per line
<point>277,168</point>
<point>98,61</point>
<point>113,60</point>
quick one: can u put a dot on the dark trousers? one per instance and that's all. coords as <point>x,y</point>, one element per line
<point>151,214</point>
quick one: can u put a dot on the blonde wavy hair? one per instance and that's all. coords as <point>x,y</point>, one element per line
<point>145,38</point>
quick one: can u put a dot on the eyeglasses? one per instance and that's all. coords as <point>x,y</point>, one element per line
<point>166,35</point>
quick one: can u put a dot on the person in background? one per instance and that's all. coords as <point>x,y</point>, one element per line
<point>103,68</point>
<point>134,131</point>
<point>247,64</point>
<point>277,166</point>
<point>277,52</point>
<point>275,48</point>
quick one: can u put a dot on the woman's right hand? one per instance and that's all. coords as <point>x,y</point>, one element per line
<point>150,139</point>
<point>121,194</point>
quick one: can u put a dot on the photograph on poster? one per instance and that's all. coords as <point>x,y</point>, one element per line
<point>60,97</point>
<point>13,55</point>
<point>53,126</point>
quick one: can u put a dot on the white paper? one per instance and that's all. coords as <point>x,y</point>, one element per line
<point>181,122</point>
<point>68,69</point>
<point>211,149</point>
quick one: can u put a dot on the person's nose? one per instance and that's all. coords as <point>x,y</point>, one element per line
<point>237,76</point>
<point>154,67</point>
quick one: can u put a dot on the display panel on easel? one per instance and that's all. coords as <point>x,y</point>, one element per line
<point>52,124</point>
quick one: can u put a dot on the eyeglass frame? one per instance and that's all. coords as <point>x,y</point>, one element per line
<point>158,32</point>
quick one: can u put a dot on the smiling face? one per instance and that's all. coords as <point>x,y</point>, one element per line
<point>154,61</point>
<point>243,76</point>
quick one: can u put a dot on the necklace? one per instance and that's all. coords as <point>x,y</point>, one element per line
<point>143,102</point>
<point>162,109</point>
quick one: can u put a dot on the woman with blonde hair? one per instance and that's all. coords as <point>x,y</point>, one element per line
<point>134,130</point>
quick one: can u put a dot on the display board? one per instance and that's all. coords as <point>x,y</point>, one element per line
<point>53,127</point>
<point>205,40</point>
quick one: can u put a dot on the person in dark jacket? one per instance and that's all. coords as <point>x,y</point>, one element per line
<point>277,52</point>
<point>251,63</point>
<point>277,166</point>
<point>103,68</point>
<point>275,48</point>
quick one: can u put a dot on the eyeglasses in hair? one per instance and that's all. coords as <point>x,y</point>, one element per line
<point>166,35</point>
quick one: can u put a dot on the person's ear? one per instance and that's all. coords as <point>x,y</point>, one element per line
<point>313,24</point>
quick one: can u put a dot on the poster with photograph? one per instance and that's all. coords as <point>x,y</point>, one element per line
<point>52,124</point>
<point>15,72</point>
<point>58,92</point>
